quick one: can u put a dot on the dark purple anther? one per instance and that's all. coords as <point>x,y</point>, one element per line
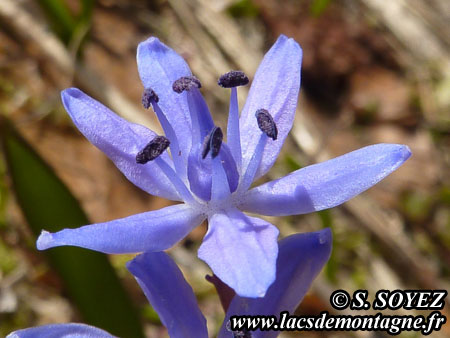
<point>152,150</point>
<point>232,79</point>
<point>186,83</point>
<point>266,123</point>
<point>149,96</point>
<point>213,142</point>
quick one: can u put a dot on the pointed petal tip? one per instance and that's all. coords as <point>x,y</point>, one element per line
<point>405,151</point>
<point>44,240</point>
<point>291,41</point>
<point>129,264</point>
<point>283,38</point>
<point>133,264</point>
<point>150,40</point>
<point>399,153</point>
<point>71,96</point>
<point>151,43</point>
<point>71,92</point>
<point>325,236</point>
<point>318,243</point>
<point>326,240</point>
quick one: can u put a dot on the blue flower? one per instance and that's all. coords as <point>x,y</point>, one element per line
<point>211,177</point>
<point>301,258</point>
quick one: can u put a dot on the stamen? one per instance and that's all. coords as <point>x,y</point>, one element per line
<point>233,129</point>
<point>266,123</point>
<point>252,167</point>
<point>149,96</point>
<point>152,150</point>
<point>177,157</point>
<point>269,128</point>
<point>213,142</point>
<point>232,79</point>
<point>186,83</point>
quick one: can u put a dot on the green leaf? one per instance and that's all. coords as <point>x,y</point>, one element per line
<point>87,7</point>
<point>71,28</point>
<point>60,18</point>
<point>47,203</point>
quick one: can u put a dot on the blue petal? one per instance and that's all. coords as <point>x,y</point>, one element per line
<point>241,251</point>
<point>220,191</point>
<point>169,294</point>
<point>200,171</point>
<point>119,140</point>
<point>275,88</point>
<point>202,122</point>
<point>71,330</point>
<point>159,66</point>
<point>300,260</point>
<point>150,231</point>
<point>327,184</point>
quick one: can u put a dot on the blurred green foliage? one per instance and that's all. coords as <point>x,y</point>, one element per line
<point>3,194</point>
<point>46,203</point>
<point>71,28</point>
<point>318,7</point>
<point>243,8</point>
<point>416,205</point>
<point>8,261</point>
<point>291,163</point>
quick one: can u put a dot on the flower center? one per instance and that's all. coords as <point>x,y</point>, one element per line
<point>214,178</point>
<point>206,137</point>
